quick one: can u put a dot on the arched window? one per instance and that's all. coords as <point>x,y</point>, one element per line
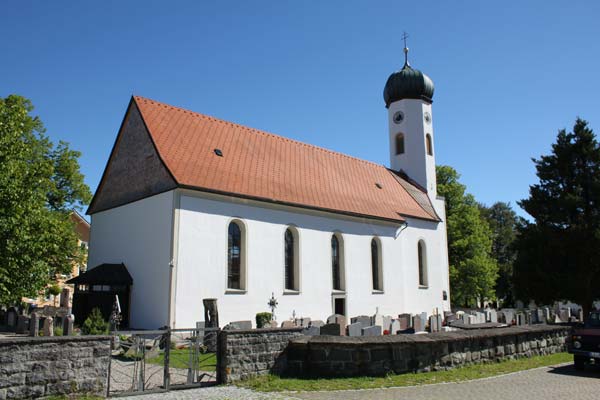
<point>235,254</point>
<point>422,263</point>
<point>337,263</point>
<point>376,269</point>
<point>400,143</point>
<point>429,144</point>
<point>291,260</point>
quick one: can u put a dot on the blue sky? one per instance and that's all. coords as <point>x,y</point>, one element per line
<point>507,75</point>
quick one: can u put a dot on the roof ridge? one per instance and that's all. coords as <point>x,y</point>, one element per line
<point>258,131</point>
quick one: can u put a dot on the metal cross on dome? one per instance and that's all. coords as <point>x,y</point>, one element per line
<point>404,37</point>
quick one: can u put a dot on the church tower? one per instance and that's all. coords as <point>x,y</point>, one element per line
<point>408,96</point>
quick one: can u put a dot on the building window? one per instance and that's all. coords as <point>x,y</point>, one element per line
<point>429,144</point>
<point>422,263</point>
<point>337,263</point>
<point>376,269</point>
<point>235,256</point>
<point>400,143</point>
<point>291,259</point>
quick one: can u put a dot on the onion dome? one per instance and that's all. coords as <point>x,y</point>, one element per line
<point>408,83</point>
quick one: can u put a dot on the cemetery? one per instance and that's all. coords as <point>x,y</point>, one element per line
<point>41,363</point>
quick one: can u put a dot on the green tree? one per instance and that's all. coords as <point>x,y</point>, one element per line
<point>95,324</point>
<point>503,223</point>
<point>40,184</point>
<point>559,251</point>
<point>473,271</point>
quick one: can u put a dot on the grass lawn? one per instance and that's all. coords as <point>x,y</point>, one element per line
<point>180,358</point>
<point>273,383</point>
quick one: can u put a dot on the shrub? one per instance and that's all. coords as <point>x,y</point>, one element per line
<point>262,318</point>
<point>54,290</point>
<point>58,331</point>
<point>95,324</point>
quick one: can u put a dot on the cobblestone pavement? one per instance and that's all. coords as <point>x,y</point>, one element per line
<point>550,383</point>
<point>212,393</point>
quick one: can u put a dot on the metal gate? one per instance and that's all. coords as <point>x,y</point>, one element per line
<point>162,360</point>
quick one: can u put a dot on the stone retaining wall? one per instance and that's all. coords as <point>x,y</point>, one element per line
<point>46,366</point>
<point>248,353</point>
<point>341,356</point>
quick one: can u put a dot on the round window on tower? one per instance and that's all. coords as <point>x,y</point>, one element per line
<point>398,117</point>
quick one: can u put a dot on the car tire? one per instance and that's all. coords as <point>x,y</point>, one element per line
<point>579,362</point>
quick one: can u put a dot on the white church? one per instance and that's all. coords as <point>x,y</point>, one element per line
<point>196,207</point>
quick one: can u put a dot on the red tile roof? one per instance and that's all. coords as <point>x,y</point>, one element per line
<point>263,166</point>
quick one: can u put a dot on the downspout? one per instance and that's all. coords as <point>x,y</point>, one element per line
<point>171,319</point>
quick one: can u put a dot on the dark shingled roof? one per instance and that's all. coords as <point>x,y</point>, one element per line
<point>106,274</point>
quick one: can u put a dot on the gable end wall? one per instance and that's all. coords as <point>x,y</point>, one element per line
<point>134,170</point>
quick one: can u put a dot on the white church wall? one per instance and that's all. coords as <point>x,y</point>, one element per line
<point>138,234</point>
<point>201,266</point>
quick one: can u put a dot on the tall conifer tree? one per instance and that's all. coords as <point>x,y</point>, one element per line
<point>559,251</point>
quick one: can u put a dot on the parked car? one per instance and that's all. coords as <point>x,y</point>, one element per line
<point>585,341</point>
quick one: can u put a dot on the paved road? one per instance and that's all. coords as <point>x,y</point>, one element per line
<point>551,383</point>
<point>561,382</point>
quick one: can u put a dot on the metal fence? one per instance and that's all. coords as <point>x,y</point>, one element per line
<point>162,360</point>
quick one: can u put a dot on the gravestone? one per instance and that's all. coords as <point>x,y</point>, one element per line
<point>541,316</point>
<point>11,318</point>
<point>331,329</point>
<point>418,324</point>
<point>580,315</point>
<point>312,331</point>
<point>340,320</point>
<point>395,327</point>
<point>547,316</point>
<point>288,324</point>
<point>405,321</point>
<point>68,325</point>
<point>211,320</point>
<point>200,325</point>
<point>48,326</point>
<point>423,317</point>
<point>386,323</point>
<point>64,297</point>
<point>464,318</point>
<point>493,316</point>
<point>509,316</point>
<point>374,330</point>
<point>34,325</point>
<point>378,319</point>
<point>22,324</point>
<point>480,317</point>
<point>239,325</point>
<point>318,323</point>
<point>332,319</point>
<point>521,319</point>
<point>435,323</point>
<point>365,320</point>
<point>449,317</point>
<point>303,322</point>
<point>472,319</point>
<point>355,329</point>
<point>271,324</point>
